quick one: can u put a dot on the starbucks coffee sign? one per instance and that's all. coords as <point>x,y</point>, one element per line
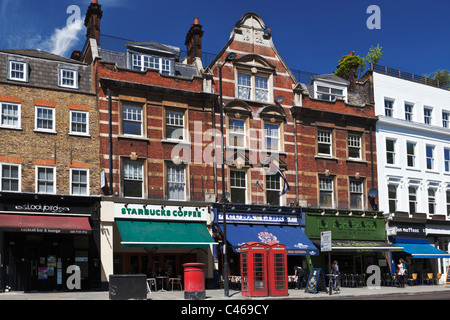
<point>160,212</point>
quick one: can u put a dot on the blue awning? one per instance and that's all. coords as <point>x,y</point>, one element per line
<point>421,249</point>
<point>295,240</point>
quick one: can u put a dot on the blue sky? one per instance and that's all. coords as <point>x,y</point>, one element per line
<point>310,35</point>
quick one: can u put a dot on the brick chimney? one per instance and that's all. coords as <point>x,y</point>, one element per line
<point>194,41</point>
<point>76,55</point>
<point>92,22</point>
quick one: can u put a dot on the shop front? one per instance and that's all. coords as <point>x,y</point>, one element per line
<point>263,224</point>
<point>155,239</point>
<point>358,241</point>
<point>420,250</point>
<point>46,241</point>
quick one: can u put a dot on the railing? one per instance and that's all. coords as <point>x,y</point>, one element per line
<point>408,76</point>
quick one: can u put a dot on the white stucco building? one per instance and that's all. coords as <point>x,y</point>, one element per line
<point>413,159</point>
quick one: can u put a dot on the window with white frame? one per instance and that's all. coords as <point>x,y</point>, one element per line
<point>356,194</point>
<point>132,120</point>
<point>431,200</point>
<point>176,182</point>
<point>324,142</point>
<point>427,115</point>
<point>236,133</point>
<point>409,111</point>
<point>68,78</point>
<point>79,122</point>
<point>142,62</point>
<point>175,125</point>
<point>445,119</point>
<point>253,87</point>
<point>10,177</point>
<point>273,186</point>
<point>430,157</point>
<point>411,154</point>
<point>45,119</point>
<point>388,108</point>
<point>447,194</point>
<point>390,151</point>
<point>447,160</point>
<point>412,195</point>
<point>354,146</point>
<point>45,180</point>
<point>10,116</point>
<point>329,94</point>
<point>133,179</point>
<point>326,192</point>
<point>392,197</point>
<point>79,182</point>
<point>272,136</point>
<point>238,186</point>
<point>18,71</point>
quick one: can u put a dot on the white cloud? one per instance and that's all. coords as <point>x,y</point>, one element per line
<point>63,40</point>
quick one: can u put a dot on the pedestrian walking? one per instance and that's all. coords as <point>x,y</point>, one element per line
<point>401,267</point>
<point>300,274</point>
<point>335,273</point>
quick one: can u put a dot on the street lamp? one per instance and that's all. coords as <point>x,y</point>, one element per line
<point>230,57</point>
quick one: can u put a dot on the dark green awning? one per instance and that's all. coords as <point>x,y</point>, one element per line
<point>138,233</point>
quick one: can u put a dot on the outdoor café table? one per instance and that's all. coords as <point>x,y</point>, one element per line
<point>163,279</point>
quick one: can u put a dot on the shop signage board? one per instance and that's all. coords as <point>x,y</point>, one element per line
<point>345,228</point>
<point>325,241</point>
<point>316,278</point>
<point>160,212</point>
<point>259,218</point>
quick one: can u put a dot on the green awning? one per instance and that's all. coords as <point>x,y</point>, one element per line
<point>138,233</point>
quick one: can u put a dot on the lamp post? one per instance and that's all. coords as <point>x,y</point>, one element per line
<point>230,57</point>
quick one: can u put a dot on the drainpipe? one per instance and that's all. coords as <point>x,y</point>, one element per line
<point>296,161</point>
<point>110,142</point>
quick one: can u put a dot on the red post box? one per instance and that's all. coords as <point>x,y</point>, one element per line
<point>277,273</point>
<point>254,270</point>
<point>194,281</point>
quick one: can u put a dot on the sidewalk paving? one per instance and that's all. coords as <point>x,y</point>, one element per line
<point>218,294</point>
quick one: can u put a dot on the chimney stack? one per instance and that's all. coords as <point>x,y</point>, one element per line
<point>194,41</point>
<point>92,21</point>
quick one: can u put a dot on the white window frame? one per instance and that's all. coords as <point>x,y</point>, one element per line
<point>325,137</point>
<point>72,182</point>
<point>234,133</point>
<point>273,134</point>
<point>431,200</point>
<point>428,115</point>
<point>25,70</point>
<point>328,94</point>
<point>173,120</point>
<point>19,178</point>
<point>389,108</point>
<point>142,62</point>
<point>233,184</point>
<point>53,181</point>
<point>252,87</point>
<point>392,200</point>
<point>354,142</point>
<point>446,119</point>
<point>428,159</point>
<point>135,176</point>
<point>53,120</point>
<point>393,152</point>
<point>356,187</point>
<point>135,115</point>
<point>447,159</point>
<point>447,196</point>
<point>326,185</point>
<point>176,175</point>
<point>409,111</point>
<point>19,115</point>
<point>410,200</point>
<point>63,75</point>
<point>86,113</point>
<point>273,184</point>
<point>411,156</point>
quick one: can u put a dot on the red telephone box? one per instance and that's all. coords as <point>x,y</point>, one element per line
<point>254,270</point>
<point>277,265</point>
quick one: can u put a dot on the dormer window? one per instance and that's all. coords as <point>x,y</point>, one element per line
<point>330,87</point>
<point>18,70</point>
<point>329,94</point>
<point>142,62</point>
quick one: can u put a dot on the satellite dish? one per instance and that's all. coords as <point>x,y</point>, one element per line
<point>373,192</point>
<point>279,99</point>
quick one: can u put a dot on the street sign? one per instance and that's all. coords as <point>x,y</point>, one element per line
<point>325,241</point>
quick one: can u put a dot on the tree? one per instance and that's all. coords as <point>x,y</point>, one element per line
<point>374,54</point>
<point>442,76</point>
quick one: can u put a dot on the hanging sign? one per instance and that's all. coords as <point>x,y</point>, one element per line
<point>316,278</point>
<point>325,241</point>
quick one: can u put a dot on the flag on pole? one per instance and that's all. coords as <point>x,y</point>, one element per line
<point>286,187</point>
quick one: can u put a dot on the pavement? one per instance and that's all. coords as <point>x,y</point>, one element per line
<point>234,295</point>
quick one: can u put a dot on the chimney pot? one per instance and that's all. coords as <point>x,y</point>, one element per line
<point>196,21</point>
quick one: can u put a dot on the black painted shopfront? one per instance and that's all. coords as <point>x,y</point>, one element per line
<point>43,238</point>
